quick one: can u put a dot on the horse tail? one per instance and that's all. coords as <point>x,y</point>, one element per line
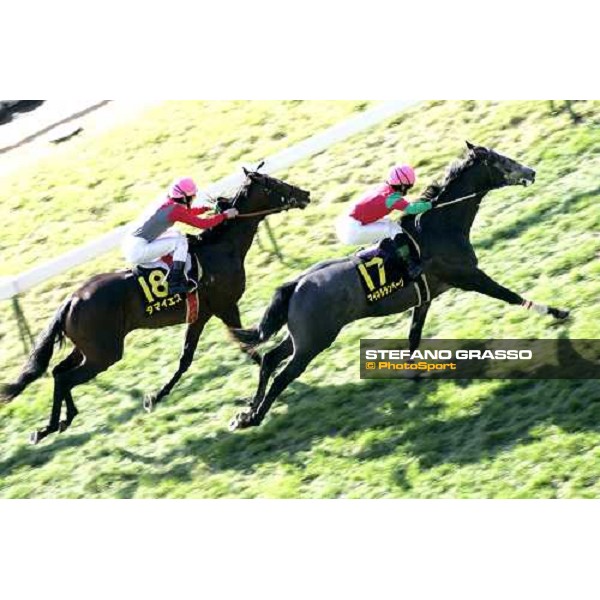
<point>273,320</point>
<point>40,356</point>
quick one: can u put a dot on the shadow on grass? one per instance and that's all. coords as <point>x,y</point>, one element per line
<point>47,450</point>
<point>503,420</point>
<point>402,415</point>
<point>36,456</point>
<point>50,448</point>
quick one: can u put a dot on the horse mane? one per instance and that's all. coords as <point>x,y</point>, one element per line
<point>454,170</point>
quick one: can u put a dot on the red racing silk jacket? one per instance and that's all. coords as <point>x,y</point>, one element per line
<point>170,212</point>
<point>381,201</point>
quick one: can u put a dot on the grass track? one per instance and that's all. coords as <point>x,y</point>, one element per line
<point>332,435</point>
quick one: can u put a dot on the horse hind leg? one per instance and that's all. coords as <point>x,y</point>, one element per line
<point>53,424</point>
<point>271,360</point>
<point>303,355</point>
<point>72,361</point>
<point>65,379</point>
<point>259,409</point>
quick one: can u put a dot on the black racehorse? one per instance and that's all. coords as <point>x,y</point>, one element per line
<point>316,305</point>
<point>98,316</point>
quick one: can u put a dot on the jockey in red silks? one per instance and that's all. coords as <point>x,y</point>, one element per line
<point>368,222</point>
<point>152,236</point>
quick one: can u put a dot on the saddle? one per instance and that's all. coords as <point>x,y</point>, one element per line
<point>382,267</point>
<point>154,290</point>
<point>193,271</point>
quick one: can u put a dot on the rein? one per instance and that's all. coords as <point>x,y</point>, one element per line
<point>461,199</point>
<point>485,162</point>
<point>258,213</point>
<point>457,200</point>
<point>261,212</point>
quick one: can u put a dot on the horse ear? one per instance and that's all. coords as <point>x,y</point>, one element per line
<point>479,151</point>
<point>246,172</point>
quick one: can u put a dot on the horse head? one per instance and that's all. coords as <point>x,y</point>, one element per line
<point>263,193</point>
<point>502,171</point>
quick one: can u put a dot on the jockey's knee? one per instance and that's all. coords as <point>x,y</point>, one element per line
<point>181,249</point>
<point>348,230</point>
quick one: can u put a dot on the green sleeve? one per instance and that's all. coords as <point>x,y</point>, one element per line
<point>417,207</point>
<point>392,199</point>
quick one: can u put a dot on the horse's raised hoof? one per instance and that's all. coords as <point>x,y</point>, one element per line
<point>242,420</point>
<point>149,403</point>
<point>559,314</point>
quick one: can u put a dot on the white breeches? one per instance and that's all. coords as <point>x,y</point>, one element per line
<point>352,232</point>
<point>138,251</point>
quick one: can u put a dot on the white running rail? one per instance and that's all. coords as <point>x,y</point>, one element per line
<point>12,286</point>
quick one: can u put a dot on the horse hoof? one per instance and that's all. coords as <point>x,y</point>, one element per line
<point>149,403</point>
<point>242,420</point>
<point>62,426</point>
<point>238,422</point>
<point>34,438</point>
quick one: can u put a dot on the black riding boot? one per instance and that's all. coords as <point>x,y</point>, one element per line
<point>414,268</point>
<point>177,281</point>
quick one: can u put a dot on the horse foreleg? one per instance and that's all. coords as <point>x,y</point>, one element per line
<point>192,335</point>
<point>232,320</point>
<point>419,314</point>
<point>477,281</point>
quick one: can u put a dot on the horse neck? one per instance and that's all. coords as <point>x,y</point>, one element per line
<point>460,216</point>
<point>241,234</point>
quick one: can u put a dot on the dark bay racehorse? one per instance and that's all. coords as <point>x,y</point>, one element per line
<point>318,304</point>
<point>98,316</point>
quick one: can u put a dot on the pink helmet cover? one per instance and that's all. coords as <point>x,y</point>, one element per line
<point>183,187</point>
<point>402,175</point>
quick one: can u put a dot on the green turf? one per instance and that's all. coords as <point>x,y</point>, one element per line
<point>331,434</point>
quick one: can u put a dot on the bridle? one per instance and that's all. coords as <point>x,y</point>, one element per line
<point>269,191</point>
